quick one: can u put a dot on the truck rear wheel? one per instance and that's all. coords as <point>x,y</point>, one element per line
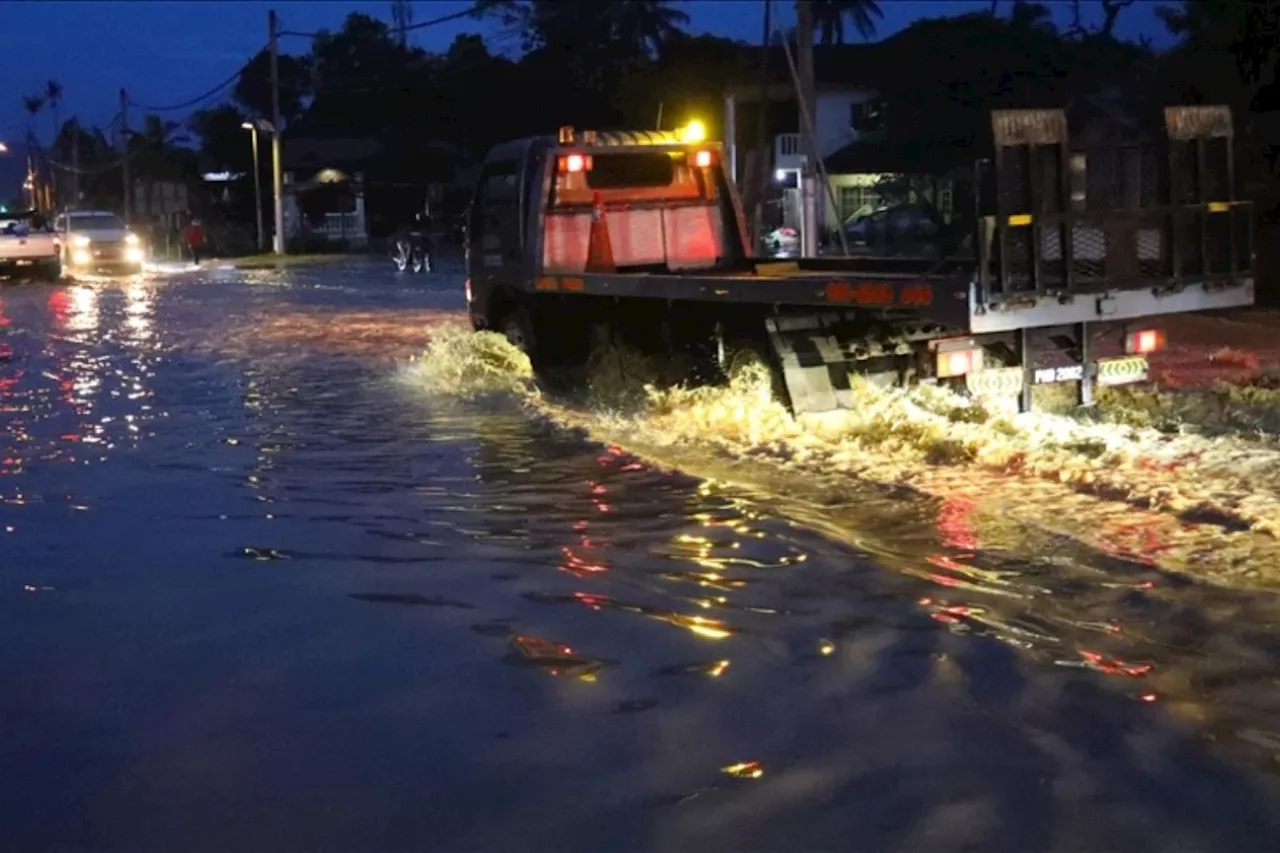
<point>745,355</point>
<point>50,270</point>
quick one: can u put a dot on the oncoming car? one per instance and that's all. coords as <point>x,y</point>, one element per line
<point>95,241</point>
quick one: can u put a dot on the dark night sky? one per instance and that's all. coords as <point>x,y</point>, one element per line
<point>164,53</point>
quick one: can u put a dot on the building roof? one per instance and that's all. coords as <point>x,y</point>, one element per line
<point>302,154</point>
<point>866,158</point>
<point>1106,118</point>
<point>394,157</point>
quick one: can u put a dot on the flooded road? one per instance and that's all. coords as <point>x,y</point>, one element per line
<point>258,592</point>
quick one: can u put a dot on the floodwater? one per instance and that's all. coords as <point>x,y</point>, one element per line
<point>257,592</point>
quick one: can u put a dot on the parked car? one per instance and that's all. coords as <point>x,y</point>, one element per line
<point>916,230</point>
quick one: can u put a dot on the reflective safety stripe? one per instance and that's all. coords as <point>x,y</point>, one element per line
<point>1121,371</point>
<point>994,382</point>
<point>637,137</point>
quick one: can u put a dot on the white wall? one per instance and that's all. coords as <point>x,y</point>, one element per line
<point>833,130</point>
<point>832,122</point>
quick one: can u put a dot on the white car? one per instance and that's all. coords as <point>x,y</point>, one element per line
<point>94,241</point>
<point>29,248</point>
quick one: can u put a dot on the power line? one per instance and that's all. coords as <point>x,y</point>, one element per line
<point>204,97</point>
<point>148,144</point>
<point>444,19</point>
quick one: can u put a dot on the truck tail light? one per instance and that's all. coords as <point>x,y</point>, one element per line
<point>703,159</point>
<point>959,362</point>
<point>572,163</point>
<point>1144,341</point>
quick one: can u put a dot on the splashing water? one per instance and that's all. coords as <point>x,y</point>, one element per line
<point>1216,497</point>
<point>461,363</point>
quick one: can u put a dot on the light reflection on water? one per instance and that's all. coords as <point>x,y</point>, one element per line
<point>253,585</point>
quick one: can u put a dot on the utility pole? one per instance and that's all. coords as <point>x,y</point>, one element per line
<point>808,178</point>
<point>257,191</point>
<point>30,184</point>
<point>761,189</point>
<point>277,179</point>
<point>402,16</point>
<point>75,164</point>
<point>124,163</point>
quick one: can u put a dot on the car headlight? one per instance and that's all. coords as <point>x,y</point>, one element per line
<point>133,255</point>
<point>81,257</point>
<point>131,239</point>
<point>80,241</point>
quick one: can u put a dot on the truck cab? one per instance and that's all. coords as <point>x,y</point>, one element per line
<point>669,206</point>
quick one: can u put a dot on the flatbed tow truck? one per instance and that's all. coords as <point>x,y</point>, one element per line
<point>1073,256</point>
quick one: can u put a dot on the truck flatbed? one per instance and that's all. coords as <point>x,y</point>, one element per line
<point>640,237</point>
<point>944,293</point>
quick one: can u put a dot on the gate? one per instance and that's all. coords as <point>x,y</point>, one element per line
<point>1054,220</point>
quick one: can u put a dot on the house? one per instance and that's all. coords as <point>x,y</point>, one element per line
<point>355,190</point>
<point>844,120</point>
<point>324,189</point>
<point>1111,126</point>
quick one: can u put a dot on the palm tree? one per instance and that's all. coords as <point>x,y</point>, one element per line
<point>648,24</point>
<point>596,41</point>
<point>53,95</point>
<point>32,104</point>
<point>642,25</point>
<point>829,17</point>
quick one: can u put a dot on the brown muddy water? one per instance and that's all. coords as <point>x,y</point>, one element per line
<point>261,588</point>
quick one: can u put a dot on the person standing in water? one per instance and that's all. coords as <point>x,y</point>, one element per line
<point>195,240</point>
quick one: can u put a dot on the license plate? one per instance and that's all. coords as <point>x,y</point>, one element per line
<point>1070,373</point>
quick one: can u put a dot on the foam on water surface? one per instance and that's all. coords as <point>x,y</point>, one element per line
<point>1196,472</point>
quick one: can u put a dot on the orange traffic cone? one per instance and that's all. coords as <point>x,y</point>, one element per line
<point>599,249</point>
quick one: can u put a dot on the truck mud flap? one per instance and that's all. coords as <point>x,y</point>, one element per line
<point>813,368</point>
<point>817,355</point>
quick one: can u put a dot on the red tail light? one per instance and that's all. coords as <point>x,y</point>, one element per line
<point>574,163</point>
<point>1144,341</point>
<point>702,159</point>
<point>959,362</point>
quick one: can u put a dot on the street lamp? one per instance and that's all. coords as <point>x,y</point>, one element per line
<point>257,181</point>
<point>253,127</point>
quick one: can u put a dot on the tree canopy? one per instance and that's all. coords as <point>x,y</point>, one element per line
<point>618,63</point>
